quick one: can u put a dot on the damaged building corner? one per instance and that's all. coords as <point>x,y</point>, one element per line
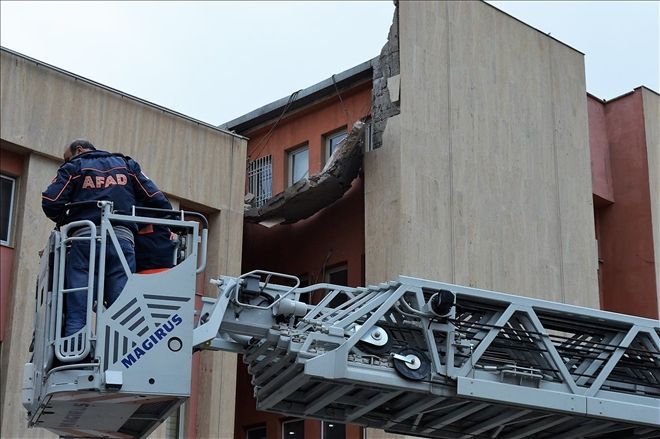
<point>386,82</point>
<point>309,195</point>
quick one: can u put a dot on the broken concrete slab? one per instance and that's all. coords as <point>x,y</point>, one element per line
<point>309,195</point>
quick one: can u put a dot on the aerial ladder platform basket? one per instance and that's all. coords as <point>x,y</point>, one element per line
<point>410,356</point>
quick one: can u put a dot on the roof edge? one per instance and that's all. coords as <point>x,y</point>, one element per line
<point>119,92</point>
<point>623,95</point>
<point>535,28</point>
<point>274,106</point>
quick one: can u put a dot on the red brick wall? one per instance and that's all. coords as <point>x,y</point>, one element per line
<point>624,228</point>
<point>11,164</point>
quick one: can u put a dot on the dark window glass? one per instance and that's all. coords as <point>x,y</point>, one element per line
<point>6,202</point>
<point>334,430</point>
<point>293,430</point>
<point>337,276</point>
<point>256,433</point>
<point>304,282</point>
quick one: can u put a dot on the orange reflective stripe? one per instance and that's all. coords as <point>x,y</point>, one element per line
<point>149,228</point>
<point>152,271</point>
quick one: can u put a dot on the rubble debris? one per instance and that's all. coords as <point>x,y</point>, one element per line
<point>309,195</point>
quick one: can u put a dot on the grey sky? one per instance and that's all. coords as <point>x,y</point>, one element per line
<point>217,61</point>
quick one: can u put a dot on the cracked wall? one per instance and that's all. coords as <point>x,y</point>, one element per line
<point>385,69</point>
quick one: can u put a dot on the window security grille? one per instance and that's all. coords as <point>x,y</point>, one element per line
<point>260,179</point>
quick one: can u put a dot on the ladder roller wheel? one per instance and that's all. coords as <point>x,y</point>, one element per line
<point>372,349</point>
<point>418,366</point>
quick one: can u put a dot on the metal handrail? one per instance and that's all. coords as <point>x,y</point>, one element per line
<point>75,346</point>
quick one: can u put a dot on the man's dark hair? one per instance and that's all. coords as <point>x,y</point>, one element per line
<point>83,143</point>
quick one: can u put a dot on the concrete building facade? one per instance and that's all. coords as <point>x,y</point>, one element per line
<point>477,172</point>
<point>199,166</point>
<point>481,167</point>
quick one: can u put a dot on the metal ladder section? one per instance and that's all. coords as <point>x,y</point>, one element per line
<point>487,365</point>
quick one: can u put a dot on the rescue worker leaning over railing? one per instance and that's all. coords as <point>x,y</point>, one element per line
<point>88,175</point>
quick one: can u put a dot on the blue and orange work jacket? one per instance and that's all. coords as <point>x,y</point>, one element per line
<point>100,175</point>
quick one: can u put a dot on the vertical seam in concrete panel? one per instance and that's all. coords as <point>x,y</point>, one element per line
<point>231,203</point>
<point>654,218</point>
<point>449,153</point>
<point>557,186</point>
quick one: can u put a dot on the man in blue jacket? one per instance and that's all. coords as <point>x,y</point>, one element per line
<point>92,175</point>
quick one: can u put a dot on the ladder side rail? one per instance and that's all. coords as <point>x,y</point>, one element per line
<point>551,354</point>
<point>347,316</point>
<point>588,368</point>
<point>346,313</point>
<point>357,313</point>
<point>315,315</point>
<point>539,305</point>
<point>333,364</point>
<point>75,346</point>
<point>485,342</point>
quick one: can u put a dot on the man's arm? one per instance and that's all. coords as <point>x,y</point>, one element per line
<point>147,193</point>
<point>58,194</point>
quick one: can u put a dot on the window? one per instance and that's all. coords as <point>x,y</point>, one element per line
<point>7,189</point>
<point>293,429</point>
<point>256,432</point>
<point>298,164</point>
<point>337,275</point>
<point>332,141</point>
<point>333,430</point>
<point>260,179</point>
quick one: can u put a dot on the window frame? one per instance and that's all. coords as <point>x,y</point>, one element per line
<point>290,421</point>
<point>323,435</point>
<point>342,266</point>
<point>259,178</point>
<point>290,153</point>
<point>327,138</point>
<point>10,216</point>
<point>256,427</point>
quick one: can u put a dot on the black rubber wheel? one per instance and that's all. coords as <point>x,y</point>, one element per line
<point>417,372</point>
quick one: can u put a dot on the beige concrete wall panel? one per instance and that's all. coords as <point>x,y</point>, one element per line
<point>192,162</point>
<point>573,169</point>
<point>217,379</point>
<point>502,155</point>
<point>217,395</point>
<point>382,204</point>
<point>494,162</point>
<point>32,232</point>
<point>372,433</point>
<point>425,144</point>
<point>49,109</point>
<point>651,102</point>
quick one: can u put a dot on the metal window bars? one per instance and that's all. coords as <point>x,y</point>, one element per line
<point>260,179</point>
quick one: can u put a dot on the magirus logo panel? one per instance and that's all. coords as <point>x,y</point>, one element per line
<point>140,324</point>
